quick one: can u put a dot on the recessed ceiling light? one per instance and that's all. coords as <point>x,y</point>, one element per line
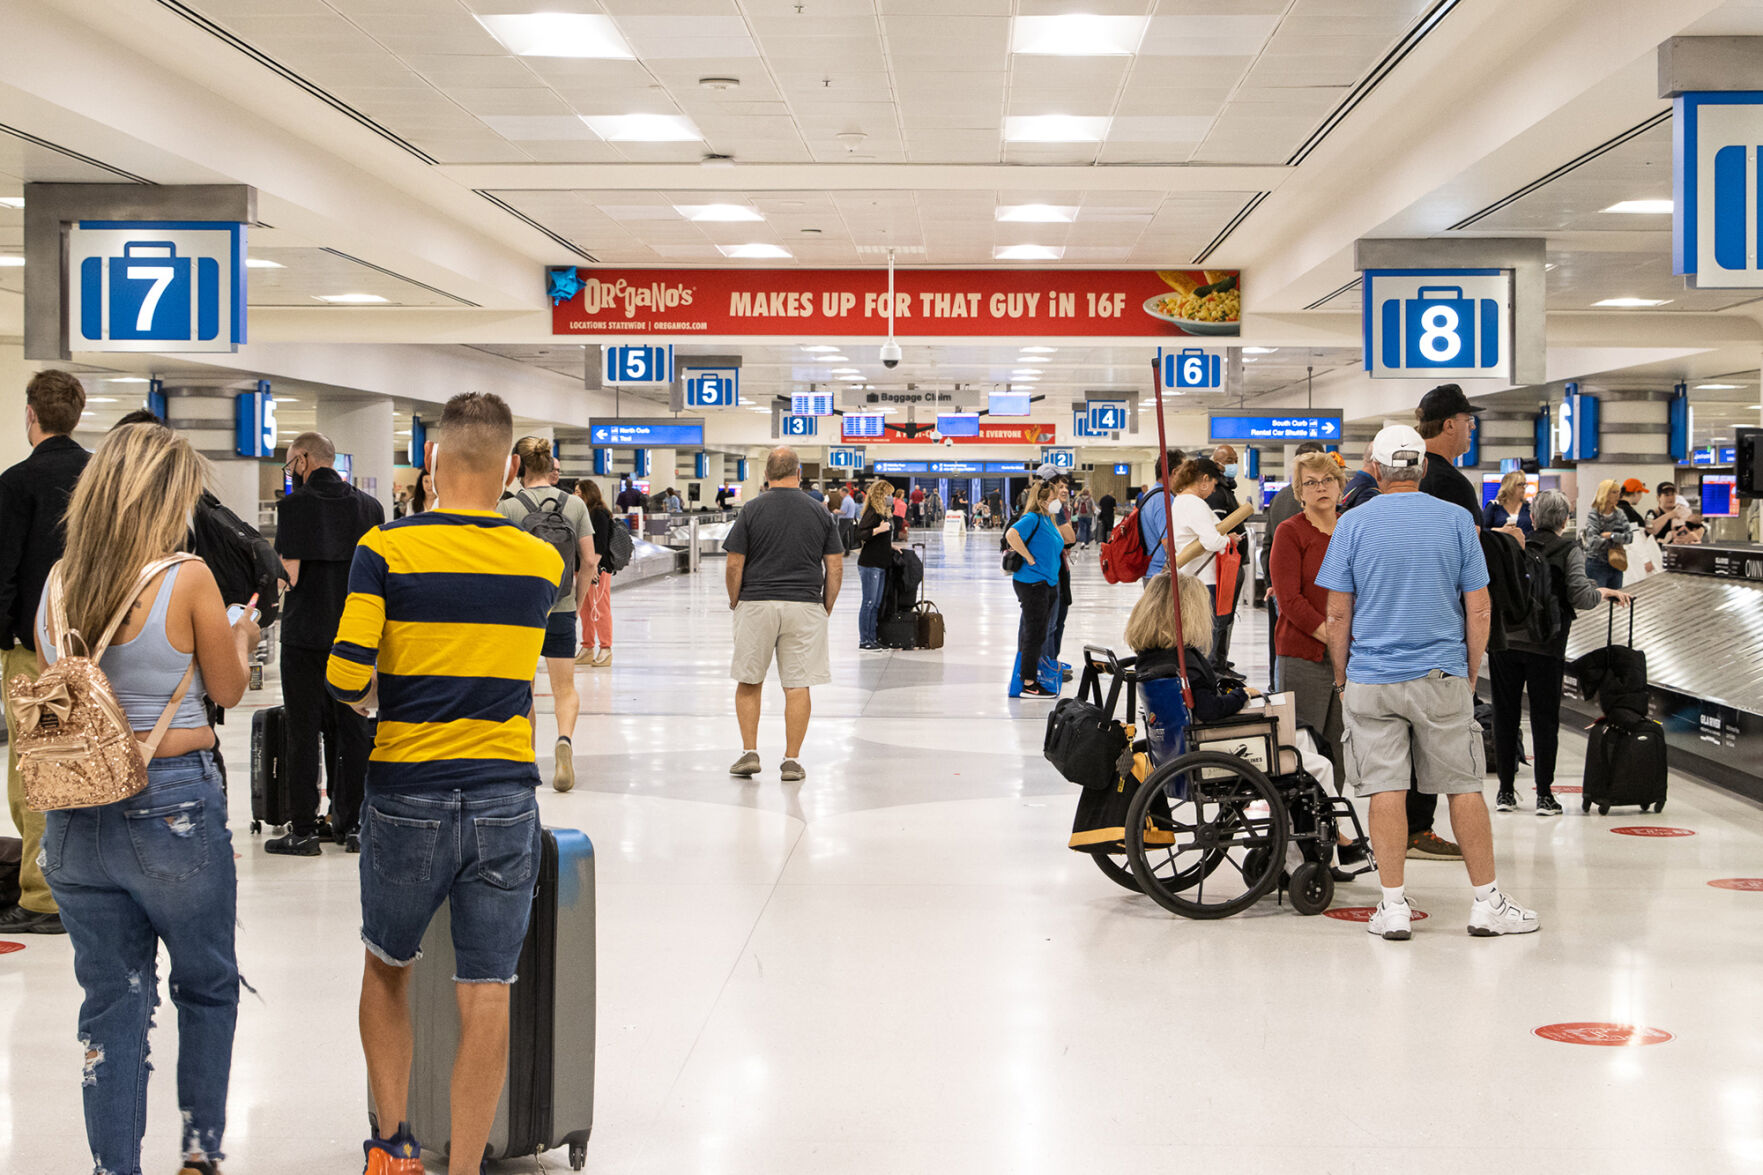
<point>754,250</point>
<point>1028,252</point>
<point>281,399</point>
<point>1025,375</point>
<point>100,399</point>
<point>835,359</point>
<point>1036,213</point>
<point>558,34</point>
<point>643,128</point>
<point>852,378</point>
<point>350,299</point>
<point>11,201</point>
<point>1633,303</point>
<point>1259,350</point>
<point>1078,35</point>
<point>126,379</point>
<point>820,347</point>
<point>1250,359</point>
<point>718,212</point>
<point>1717,387</point>
<point>9,262</point>
<point>1055,128</point>
<point>262,263</point>
<point>846,371</point>
<point>1031,361</point>
<point>1644,207</point>
<point>1039,350</point>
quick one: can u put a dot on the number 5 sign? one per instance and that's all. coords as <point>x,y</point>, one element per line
<point>1436,322</point>
<point>156,285</point>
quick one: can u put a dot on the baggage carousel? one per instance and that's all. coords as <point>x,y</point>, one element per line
<point>1700,622</point>
<point>648,561</point>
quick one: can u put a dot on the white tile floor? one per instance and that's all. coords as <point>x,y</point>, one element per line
<point>897,966</point>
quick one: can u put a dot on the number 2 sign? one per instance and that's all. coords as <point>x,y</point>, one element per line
<point>1434,322</point>
<point>156,286</point>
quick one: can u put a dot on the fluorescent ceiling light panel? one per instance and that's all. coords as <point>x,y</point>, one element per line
<point>643,128</point>
<point>718,212</point>
<point>350,299</point>
<point>1055,128</point>
<point>753,251</point>
<point>100,399</point>
<point>1632,303</point>
<point>11,262</point>
<point>132,379</point>
<point>262,263</point>
<point>1259,350</point>
<point>1039,350</point>
<point>11,201</point>
<point>558,34</point>
<point>849,378</point>
<point>1719,388</point>
<point>1028,252</point>
<point>820,348</point>
<point>1643,207</point>
<point>1036,213</point>
<point>1077,35</point>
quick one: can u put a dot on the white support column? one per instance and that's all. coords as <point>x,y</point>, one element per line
<point>15,373</point>
<point>662,469</point>
<point>1634,440</point>
<point>363,429</point>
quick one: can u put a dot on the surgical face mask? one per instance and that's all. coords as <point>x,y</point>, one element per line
<point>1230,471</point>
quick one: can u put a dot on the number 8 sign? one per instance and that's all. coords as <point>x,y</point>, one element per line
<point>1417,325</point>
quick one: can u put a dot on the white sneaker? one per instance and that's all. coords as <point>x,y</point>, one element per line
<point>1392,922</point>
<point>1502,915</point>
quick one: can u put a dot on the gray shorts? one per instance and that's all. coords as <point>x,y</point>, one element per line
<point>1429,722</point>
<point>794,632</point>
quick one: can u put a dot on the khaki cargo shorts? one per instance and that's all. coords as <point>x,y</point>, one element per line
<point>795,632</point>
<point>1429,722</point>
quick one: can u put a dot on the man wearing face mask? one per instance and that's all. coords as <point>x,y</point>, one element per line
<point>1223,501</point>
<point>317,527</point>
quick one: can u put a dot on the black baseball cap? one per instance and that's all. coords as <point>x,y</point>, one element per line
<point>1444,402</point>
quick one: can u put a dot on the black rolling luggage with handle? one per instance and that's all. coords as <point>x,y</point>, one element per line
<point>270,803</point>
<point>1625,760</point>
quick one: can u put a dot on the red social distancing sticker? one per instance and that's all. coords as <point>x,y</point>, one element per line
<point>7,948</point>
<point>1746,884</point>
<point>1362,913</point>
<point>1597,1032</point>
<point>1652,830</point>
<point>1568,790</point>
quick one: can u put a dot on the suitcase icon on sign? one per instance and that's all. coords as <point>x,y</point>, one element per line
<point>1439,327</point>
<point>150,293</point>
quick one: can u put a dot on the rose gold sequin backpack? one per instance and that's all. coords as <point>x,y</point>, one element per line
<point>75,748</point>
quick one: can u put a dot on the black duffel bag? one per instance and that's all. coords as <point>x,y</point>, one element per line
<point>1084,743</point>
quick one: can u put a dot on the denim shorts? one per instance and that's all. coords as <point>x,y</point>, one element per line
<point>476,850</point>
<point>559,635</point>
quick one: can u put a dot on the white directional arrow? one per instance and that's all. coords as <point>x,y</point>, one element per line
<point>1328,428</point>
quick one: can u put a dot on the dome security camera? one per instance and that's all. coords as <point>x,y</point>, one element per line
<point>890,354</point>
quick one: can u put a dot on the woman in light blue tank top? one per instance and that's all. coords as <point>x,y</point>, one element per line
<point>158,866</point>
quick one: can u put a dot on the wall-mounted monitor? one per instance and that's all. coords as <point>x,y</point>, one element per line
<point>857,426</point>
<point>958,424</point>
<point>1269,489</point>
<point>1719,495</point>
<point>1008,404</point>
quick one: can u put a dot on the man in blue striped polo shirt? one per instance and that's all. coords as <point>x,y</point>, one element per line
<point>1408,616</point>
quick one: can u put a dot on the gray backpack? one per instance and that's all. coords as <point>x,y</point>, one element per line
<point>547,523</point>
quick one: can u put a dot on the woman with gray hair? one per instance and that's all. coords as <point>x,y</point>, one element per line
<point>1539,668</point>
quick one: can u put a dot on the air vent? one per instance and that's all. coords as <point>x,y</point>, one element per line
<point>898,250</point>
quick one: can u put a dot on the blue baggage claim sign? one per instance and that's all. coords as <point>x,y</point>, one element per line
<point>169,285</point>
<point>1438,322</point>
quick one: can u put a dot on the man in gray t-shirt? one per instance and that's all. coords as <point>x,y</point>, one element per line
<point>785,564</point>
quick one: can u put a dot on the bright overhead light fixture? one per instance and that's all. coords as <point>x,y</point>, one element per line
<point>262,263</point>
<point>820,348</point>
<point>1078,35</point>
<point>1028,252</point>
<point>1259,350</point>
<point>852,378</point>
<point>1039,350</point>
<point>1030,360</point>
<point>718,212</point>
<point>1036,213</point>
<point>100,399</point>
<point>643,128</point>
<point>846,371</point>
<point>754,250</point>
<point>126,379</point>
<point>349,299</point>
<point>1055,128</point>
<point>1632,303</point>
<point>558,34</point>
<point>1719,388</point>
<point>11,201</point>
<point>1644,207</point>
<point>9,262</point>
<point>835,359</point>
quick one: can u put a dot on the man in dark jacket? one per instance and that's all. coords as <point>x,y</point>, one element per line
<point>33,507</point>
<point>317,528</point>
<point>1223,501</point>
<point>1361,487</point>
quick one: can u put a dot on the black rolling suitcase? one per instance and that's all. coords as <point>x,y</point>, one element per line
<point>270,803</point>
<point>548,1100</point>
<point>1625,760</point>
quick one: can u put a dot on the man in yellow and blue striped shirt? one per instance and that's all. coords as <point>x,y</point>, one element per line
<point>441,631</point>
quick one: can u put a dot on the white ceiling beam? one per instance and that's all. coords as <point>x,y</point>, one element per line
<point>859,177</point>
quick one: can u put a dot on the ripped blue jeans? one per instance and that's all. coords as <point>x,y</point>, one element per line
<point>156,867</point>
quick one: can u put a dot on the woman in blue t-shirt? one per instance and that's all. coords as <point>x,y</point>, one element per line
<point>1040,541</point>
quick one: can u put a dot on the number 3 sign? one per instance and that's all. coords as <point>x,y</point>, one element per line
<point>156,286</point>
<point>1436,322</point>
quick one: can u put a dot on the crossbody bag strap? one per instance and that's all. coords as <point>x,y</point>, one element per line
<point>151,745</point>
<point>141,581</point>
<point>55,626</point>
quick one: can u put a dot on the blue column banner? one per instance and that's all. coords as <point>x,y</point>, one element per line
<point>1252,462</point>
<point>640,458</point>
<point>419,436</point>
<point>156,397</point>
<point>1545,438</point>
<point>603,462</point>
<point>1680,423</point>
<point>740,469</point>
<point>254,417</point>
<point>1577,430</point>
<point>700,465</point>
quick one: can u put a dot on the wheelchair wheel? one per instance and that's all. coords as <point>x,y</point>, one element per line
<point>1116,868</point>
<point>1312,888</point>
<point>1194,860</point>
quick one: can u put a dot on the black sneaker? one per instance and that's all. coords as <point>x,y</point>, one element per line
<point>1547,804</point>
<point>294,845</point>
<point>1035,691</point>
<point>352,843</point>
<point>19,920</point>
<point>1506,801</point>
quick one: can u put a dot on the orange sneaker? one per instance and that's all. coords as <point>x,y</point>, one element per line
<point>400,1154</point>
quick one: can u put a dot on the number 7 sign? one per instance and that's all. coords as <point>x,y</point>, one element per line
<point>156,286</point>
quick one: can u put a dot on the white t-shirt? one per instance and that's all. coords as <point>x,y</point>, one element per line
<point>1190,519</point>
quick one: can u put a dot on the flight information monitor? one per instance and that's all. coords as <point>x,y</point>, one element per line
<point>1008,403</point>
<point>811,403</point>
<point>863,425</point>
<point>958,424</point>
<point>1718,498</point>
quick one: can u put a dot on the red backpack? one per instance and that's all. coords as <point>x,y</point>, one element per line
<point>1125,558</point>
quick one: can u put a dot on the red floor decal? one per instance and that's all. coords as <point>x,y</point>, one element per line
<point>7,948</point>
<point>1652,830</point>
<point>1747,884</point>
<point>1566,791</point>
<point>1362,913</point>
<point>1595,1032</point>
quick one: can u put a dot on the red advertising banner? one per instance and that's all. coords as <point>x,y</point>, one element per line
<point>989,434</point>
<point>809,303</point>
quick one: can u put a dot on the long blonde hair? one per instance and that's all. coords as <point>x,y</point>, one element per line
<point>131,506</point>
<point>1514,482</point>
<point>880,498</point>
<point>1152,623</point>
<point>1609,493</point>
<point>1039,494</point>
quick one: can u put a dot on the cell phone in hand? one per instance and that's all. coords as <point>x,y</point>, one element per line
<point>234,611</point>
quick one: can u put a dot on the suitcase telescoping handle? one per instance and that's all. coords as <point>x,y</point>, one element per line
<point>134,250</point>
<point>925,550</point>
<point>1610,633</point>
<point>1455,292</point>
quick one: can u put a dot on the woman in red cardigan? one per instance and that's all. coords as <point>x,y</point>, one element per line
<point>1299,638</point>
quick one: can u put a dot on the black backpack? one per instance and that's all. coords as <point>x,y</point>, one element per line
<point>548,524</point>
<point>243,562</point>
<point>620,547</point>
<point>1522,584</point>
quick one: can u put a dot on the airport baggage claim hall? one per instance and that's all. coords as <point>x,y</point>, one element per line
<point>1000,255</point>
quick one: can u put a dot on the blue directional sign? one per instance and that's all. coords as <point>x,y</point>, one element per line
<point>254,417</point>
<point>1438,322</point>
<point>1107,416</point>
<point>798,426</point>
<point>156,285</point>
<point>663,433</point>
<point>1716,230</point>
<point>1121,469</point>
<point>636,365</point>
<point>1060,458</point>
<point>712,387</point>
<point>1192,369</point>
<point>1302,426</point>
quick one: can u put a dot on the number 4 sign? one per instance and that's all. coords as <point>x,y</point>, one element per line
<point>1438,322</point>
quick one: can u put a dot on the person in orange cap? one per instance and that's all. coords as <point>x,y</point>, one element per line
<point>1632,489</point>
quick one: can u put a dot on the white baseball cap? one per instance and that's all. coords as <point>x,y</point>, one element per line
<point>1049,471</point>
<point>1397,446</point>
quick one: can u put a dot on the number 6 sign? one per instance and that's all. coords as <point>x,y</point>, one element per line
<point>1192,369</point>
<point>156,286</point>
